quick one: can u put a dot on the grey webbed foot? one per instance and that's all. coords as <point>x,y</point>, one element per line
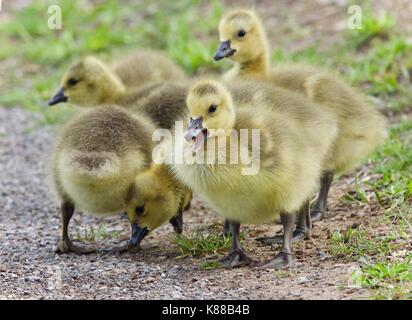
<point>126,247</point>
<point>66,246</point>
<point>298,235</point>
<point>317,215</point>
<point>236,258</point>
<point>281,261</point>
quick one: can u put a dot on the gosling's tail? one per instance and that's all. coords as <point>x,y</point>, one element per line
<point>325,88</point>
<point>362,127</point>
<point>348,104</point>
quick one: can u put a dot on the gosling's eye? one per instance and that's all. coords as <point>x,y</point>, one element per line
<point>139,210</point>
<point>241,33</point>
<point>212,108</point>
<point>72,82</point>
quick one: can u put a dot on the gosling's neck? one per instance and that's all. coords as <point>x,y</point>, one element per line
<point>258,67</point>
<point>114,91</point>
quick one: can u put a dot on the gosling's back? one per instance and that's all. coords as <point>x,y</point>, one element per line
<point>162,102</point>
<point>145,66</point>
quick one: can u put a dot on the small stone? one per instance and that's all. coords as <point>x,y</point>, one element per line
<point>176,295</point>
<point>303,280</point>
<point>32,279</point>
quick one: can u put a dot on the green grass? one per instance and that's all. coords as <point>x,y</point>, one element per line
<point>372,27</point>
<point>183,37</point>
<point>357,243</point>
<point>357,195</point>
<point>391,280</point>
<point>203,242</point>
<point>393,162</point>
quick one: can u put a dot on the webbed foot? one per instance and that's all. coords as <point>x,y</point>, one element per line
<point>236,258</point>
<point>316,215</point>
<point>298,235</point>
<point>66,246</point>
<point>281,261</point>
<point>127,247</point>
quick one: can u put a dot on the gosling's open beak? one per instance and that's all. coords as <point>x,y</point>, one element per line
<point>194,129</point>
<point>138,234</point>
<point>223,51</point>
<point>196,133</point>
<point>58,97</point>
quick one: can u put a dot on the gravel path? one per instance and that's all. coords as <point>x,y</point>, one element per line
<point>29,229</point>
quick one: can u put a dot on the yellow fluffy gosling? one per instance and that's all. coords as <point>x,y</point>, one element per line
<point>90,82</point>
<point>102,163</point>
<point>361,127</point>
<point>294,141</point>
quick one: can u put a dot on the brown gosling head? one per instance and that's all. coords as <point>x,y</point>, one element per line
<point>88,82</point>
<point>211,111</point>
<point>242,37</point>
<point>152,199</point>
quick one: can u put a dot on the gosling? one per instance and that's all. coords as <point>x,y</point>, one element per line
<point>293,142</point>
<point>90,82</point>
<point>361,127</point>
<point>102,163</point>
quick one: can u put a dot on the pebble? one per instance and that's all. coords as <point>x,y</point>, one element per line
<point>303,280</point>
<point>33,278</point>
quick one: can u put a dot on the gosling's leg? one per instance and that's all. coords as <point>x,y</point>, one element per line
<point>284,258</point>
<point>226,228</point>
<point>177,222</point>
<point>302,231</point>
<point>65,245</point>
<point>319,210</point>
<point>237,256</point>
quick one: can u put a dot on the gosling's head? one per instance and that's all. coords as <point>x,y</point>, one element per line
<point>151,200</point>
<point>242,37</point>
<point>211,111</point>
<point>88,82</point>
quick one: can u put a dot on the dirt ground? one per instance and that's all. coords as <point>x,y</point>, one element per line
<point>29,230</point>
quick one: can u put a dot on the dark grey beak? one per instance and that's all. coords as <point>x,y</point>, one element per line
<point>138,234</point>
<point>58,97</point>
<point>223,51</point>
<point>195,127</point>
